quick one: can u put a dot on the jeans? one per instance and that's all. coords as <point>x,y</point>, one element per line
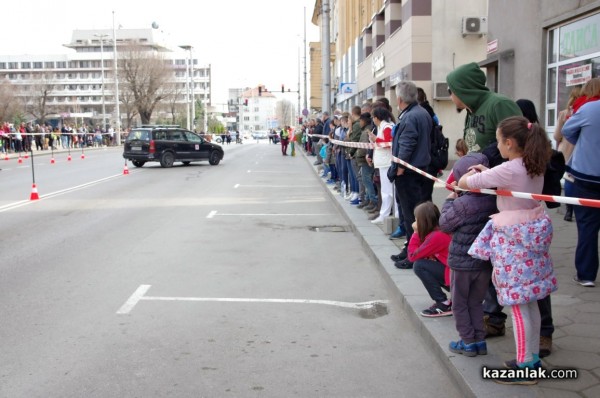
<point>588,224</point>
<point>367,180</point>
<point>352,180</point>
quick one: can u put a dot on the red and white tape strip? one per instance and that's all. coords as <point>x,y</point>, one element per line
<point>497,192</point>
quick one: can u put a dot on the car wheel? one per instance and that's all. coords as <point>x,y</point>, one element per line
<point>214,158</point>
<point>167,159</point>
<point>186,163</point>
<point>138,163</point>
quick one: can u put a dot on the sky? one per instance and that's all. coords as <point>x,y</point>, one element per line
<point>247,42</point>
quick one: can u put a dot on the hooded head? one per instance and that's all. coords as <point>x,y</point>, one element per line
<point>467,83</point>
<point>461,167</point>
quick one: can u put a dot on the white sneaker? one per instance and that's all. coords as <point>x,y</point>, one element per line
<point>378,220</point>
<point>348,195</point>
<point>353,196</point>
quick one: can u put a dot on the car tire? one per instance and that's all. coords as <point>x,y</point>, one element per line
<point>214,158</point>
<point>186,163</point>
<point>138,163</point>
<point>167,159</point>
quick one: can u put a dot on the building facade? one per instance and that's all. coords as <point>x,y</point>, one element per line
<point>257,110</point>
<point>380,43</point>
<point>542,49</point>
<point>75,78</point>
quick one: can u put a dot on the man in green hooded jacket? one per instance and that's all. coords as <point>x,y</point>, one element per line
<point>485,109</point>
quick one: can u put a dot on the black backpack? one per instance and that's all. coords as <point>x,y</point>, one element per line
<point>439,148</point>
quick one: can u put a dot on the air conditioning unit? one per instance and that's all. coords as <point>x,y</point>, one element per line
<point>440,91</point>
<point>474,26</point>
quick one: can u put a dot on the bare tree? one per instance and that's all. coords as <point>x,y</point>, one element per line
<point>284,112</point>
<point>146,74</point>
<point>127,104</point>
<point>36,97</point>
<point>172,96</point>
<point>9,104</point>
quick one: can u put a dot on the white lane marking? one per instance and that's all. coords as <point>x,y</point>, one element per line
<point>134,299</point>
<point>249,171</point>
<point>211,214</point>
<point>269,214</point>
<point>21,203</point>
<point>139,295</point>
<point>235,186</point>
<point>277,186</point>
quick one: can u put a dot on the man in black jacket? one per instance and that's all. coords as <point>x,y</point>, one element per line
<point>411,143</point>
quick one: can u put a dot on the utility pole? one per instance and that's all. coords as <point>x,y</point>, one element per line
<point>117,101</point>
<point>326,56</point>
<point>305,75</point>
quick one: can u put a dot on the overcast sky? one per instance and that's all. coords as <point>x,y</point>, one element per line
<point>247,42</point>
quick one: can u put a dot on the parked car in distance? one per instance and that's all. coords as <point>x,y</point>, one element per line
<point>260,135</point>
<point>167,145</point>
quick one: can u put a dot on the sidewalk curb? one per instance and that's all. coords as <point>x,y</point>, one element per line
<point>412,296</point>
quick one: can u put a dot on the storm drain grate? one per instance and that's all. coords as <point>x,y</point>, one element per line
<point>329,228</point>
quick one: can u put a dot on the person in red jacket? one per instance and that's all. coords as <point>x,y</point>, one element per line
<point>428,250</point>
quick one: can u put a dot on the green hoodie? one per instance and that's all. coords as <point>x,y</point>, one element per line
<point>485,108</point>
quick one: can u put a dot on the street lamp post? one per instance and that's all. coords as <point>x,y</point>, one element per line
<point>187,85</point>
<point>102,36</point>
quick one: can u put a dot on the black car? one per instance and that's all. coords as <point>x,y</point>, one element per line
<point>167,145</point>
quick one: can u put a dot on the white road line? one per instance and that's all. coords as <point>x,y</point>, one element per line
<point>235,186</point>
<point>211,214</point>
<point>139,295</point>
<point>134,299</point>
<point>268,214</point>
<point>21,203</point>
<point>277,186</point>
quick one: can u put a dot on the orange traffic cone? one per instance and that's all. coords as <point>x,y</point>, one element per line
<point>26,155</point>
<point>34,193</point>
<point>69,158</point>
<point>6,156</point>
<point>82,156</point>
<point>125,169</point>
<point>52,161</point>
<point>20,160</point>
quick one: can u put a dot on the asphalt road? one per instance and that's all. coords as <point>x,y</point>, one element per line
<point>194,281</point>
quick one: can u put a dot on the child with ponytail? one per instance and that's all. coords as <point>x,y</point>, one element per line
<point>517,239</point>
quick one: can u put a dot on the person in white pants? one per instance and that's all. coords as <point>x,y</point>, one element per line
<point>382,160</point>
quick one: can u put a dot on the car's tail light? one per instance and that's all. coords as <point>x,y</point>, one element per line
<point>152,148</point>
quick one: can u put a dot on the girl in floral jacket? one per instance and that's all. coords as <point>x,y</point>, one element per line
<point>517,240</point>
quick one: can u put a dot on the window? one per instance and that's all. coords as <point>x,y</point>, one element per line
<point>73,64</point>
<point>13,65</point>
<point>49,65</point>
<point>84,64</point>
<point>2,65</point>
<point>61,65</point>
<point>84,75</point>
<point>25,65</point>
<point>37,65</point>
<point>573,59</point>
<point>192,137</point>
<point>60,75</point>
<point>72,76</point>
<point>12,76</point>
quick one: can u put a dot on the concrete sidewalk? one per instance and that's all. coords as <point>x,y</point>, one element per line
<point>576,313</point>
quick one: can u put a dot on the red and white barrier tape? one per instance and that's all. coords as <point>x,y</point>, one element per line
<point>497,192</point>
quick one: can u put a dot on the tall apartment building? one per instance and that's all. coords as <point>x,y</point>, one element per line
<point>75,78</point>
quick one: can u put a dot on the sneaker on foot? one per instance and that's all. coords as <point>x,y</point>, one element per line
<point>403,264</point>
<point>437,310</point>
<point>460,347</point>
<point>584,283</point>
<point>400,256</point>
<point>377,220</point>
<point>398,233</point>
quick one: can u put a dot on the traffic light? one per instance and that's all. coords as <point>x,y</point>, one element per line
<point>259,90</point>
<point>282,89</point>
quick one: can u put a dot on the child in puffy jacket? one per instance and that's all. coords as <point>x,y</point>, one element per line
<point>464,216</point>
<point>428,251</point>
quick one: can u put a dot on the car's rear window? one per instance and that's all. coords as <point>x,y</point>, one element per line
<point>143,135</point>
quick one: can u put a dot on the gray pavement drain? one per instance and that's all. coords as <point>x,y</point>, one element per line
<point>329,228</point>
